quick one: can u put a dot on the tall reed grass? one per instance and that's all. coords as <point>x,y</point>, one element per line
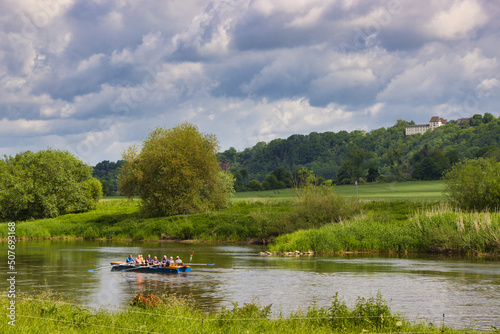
<point>449,230</point>
<point>431,230</point>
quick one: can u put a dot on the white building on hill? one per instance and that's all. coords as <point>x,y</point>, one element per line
<point>435,122</point>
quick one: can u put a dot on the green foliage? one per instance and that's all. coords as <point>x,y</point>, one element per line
<point>254,185</point>
<point>107,172</point>
<point>445,230</point>
<point>474,184</point>
<point>429,164</point>
<point>45,184</point>
<point>176,172</point>
<point>401,227</point>
<point>341,155</point>
<point>320,205</point>
<point>354,167</point>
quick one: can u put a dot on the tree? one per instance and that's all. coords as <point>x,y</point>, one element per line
<point>255,185</point>
<point>45,184</point>
<point>107,172</point>
<point>429,164</point>
<point>354,166</point>
<point>476,120</point>
<point>175,172</point>
<point>487,117</point>
<point>474,184</point>
<point>489,152</point>
<point>282,175</point>
<point>271,183</point>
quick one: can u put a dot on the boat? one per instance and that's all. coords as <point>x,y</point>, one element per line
<point>172,269</point>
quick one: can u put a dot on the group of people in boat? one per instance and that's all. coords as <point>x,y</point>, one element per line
<point>148,261</point>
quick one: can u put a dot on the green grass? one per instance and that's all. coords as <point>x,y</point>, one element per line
<point>49,314</point>
<point>282,194</point>
<point>120,219</point>
<point>427,190</point>
<point>435,229</point>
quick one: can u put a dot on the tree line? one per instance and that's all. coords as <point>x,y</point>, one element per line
<point>381,155</point>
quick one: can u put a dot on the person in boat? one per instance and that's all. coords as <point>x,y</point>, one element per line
<point>178,261</point>
<point>171,261</point>
<point>139,260</point>
<point>155,262</point>
<point>148,260</point>
<point>165,262</point>
<point>130,259</point>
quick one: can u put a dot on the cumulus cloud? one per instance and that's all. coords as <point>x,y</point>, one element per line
<point>93,77</point>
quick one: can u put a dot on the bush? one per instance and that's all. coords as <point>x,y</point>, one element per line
<point>474,184</point>
<point>45,184</point>
<point>318,206</point>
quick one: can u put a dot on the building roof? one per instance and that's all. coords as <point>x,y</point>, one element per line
<point>417,125</point>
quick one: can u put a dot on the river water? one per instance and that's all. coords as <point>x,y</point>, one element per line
<point>465,290</point>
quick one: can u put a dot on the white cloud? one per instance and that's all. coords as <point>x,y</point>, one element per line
<point>459,21</point>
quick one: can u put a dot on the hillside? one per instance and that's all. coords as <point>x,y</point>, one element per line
<point>383,155</point>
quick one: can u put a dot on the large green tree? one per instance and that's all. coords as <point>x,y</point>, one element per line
<point>45,184</point>
<point>474,184</point>
<point>176,172</point>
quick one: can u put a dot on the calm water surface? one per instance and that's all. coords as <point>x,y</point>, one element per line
<point>466,290</point>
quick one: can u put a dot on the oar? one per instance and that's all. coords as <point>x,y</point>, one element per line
<point>99,266</point>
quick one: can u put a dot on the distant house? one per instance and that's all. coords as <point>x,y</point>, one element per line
<point>435,122</point>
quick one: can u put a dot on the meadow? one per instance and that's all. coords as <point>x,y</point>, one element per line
<point>423,190</point>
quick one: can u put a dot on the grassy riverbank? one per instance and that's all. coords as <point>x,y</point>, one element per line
<point>429,230</point>
<point>120,219</point>
<point>48,314</point>
<point>321,221</point>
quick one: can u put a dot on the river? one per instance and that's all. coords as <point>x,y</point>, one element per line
<point>465,290</point>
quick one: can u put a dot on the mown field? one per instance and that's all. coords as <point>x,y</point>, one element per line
<point>424,190</point>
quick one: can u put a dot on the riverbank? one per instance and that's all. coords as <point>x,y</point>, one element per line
<point>172,313</point>
<point>405,226</point>
<point>120,220</point>
<point>433,230</point>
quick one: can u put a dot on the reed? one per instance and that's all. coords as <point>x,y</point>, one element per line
<point>445,229</point>
<point>432,229</point>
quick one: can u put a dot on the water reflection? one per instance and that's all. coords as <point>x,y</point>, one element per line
<point>466,290</point>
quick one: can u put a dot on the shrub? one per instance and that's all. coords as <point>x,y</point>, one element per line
<point>45,184</point>
<point>474,184</point>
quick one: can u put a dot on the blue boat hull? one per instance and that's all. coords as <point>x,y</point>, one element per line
<point>158,270</point>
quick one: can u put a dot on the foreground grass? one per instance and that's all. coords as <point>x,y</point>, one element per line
<point>49,314</point>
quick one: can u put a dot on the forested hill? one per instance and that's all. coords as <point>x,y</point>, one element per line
<point>384,154</point>
<point>379,155</point>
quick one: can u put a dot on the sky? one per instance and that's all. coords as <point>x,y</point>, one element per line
<point>95,76</point>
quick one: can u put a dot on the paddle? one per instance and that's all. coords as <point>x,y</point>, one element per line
<point>99,266</point>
